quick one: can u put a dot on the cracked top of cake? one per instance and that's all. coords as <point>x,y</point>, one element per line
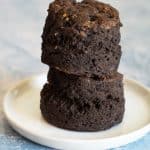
<point>83,15</point>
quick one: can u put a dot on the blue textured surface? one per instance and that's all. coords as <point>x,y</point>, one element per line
<point>21,24</point>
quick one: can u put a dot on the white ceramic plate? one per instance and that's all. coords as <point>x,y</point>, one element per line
<point>21,107</point>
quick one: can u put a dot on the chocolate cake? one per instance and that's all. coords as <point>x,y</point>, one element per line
<point>83,104</point>
<point>83,88</point>
<point>82,38</point>
<point>80,44</point>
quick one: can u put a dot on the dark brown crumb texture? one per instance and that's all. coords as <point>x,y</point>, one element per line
<point>82,104</point>
<point>80,44</point>
<point>82,38</point>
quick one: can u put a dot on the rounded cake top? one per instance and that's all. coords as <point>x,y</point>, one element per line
<point>83,15</point>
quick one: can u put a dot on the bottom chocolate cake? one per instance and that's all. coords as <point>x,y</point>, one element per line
<point>82,104</point>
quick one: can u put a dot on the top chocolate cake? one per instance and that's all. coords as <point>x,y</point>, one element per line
<point>82,38</point>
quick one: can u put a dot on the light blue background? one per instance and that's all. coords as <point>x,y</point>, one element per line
<point>21,24</point>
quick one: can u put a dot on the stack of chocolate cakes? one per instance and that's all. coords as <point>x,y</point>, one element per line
<point>84,91</point>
